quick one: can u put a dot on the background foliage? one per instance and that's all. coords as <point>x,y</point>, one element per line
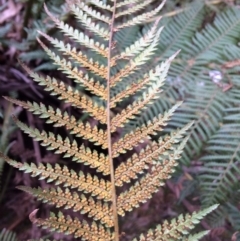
<point>205,76</point>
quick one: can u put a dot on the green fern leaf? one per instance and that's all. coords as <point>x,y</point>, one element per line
<point>221,162</point>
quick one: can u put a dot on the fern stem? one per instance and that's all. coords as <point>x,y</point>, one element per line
<point>113,189</point>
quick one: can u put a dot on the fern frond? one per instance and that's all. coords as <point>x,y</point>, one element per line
<point>93,86</point>
<point>137,61</point>
<point>141,18</point>
<point>228,211</point>
<point>223,31</point>
<point>180,29</point>
<point>155,151</point>
<point>79,37</point>
<point>139,85</point>
<point>69,95</point>
<point>126,2</point>
<point>197,236</point>
<point>59,197</point>
<point>79,154</point>
<point>189,73</point>
<point>101,4</point>
<point>79,57</point>
<point>78,76</point>
<point>67,225</point>
<point>133,138</point>
<point>158,76</point>
<point>79,129</point>
<point>139,45</point>
<point>111,76</point>
<point>208,113</point>
<point>177,228</point>
<point>141,191</point>
<point>81,7</point>
<point>88,22</point>
<point>62,175</point>
<point>85,20</point>
<point>221,162</point>
<point>134,8</point>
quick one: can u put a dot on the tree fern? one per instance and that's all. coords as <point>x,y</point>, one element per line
<point>95,195</point>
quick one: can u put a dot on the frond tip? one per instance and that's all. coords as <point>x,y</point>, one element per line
<point>177,229</point>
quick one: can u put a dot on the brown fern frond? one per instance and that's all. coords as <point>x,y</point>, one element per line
<point>133,9</point>
<point>88,22</point>
<point>150,183</point>
<point>126,2</point>
<point>62,175</point>
<point>79,57</point>
<point>136,62</point>
<point>131,110</point>
<point>140,44</point>
<point>110,72</point>
<point>143,190</point>
<point>85,20</point>
<point>100,4</point>
<point>68,225</point>
<point>148,96</point>
<point>81,155</point>
<point>59,197</point>
<point>155,151</point>
<point>78,37</point>
<point>81,7</point>
<point>141,18</point>
<point>156,75</point>
<point>69,95</point>
<point>93,134</point>
<point>178,228</point>
<point>133,138</point>
<point>78,76</point>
